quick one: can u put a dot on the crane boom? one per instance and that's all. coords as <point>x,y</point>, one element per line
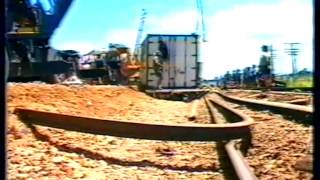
<point>140,31</point>
<point>200,15</point>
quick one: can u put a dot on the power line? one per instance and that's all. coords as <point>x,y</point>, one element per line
<point>273,56</point>
<point>293,51</point>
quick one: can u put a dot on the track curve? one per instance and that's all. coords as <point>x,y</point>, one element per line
<point>225,133</point>
<point>154,131</point>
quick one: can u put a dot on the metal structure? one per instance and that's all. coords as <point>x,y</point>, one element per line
<point>293,51</point>
<point>140,31</point>
<point>201,16</point>
<point>182,68</point>
<point>153,131</point>
<point>224,133</point>
<point>29,26</point>
<point>273,57</point>
<point>238,126</point>
<point>297,112</point>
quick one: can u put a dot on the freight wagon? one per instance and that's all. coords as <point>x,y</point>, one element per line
<point>183,68</point>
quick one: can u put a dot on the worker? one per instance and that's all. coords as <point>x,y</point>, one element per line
<point>158,69</point>
<point>161,61</point>
<point>114,65</point>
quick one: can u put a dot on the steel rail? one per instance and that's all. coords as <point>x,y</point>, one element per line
<point>294,111</point>
<point>194,110</point>
<point>303,89</point>
<point>152,131</point>
<point>292,88</point>
<point>155,131</point>
<point>241,167</point>
<point>273,92</point>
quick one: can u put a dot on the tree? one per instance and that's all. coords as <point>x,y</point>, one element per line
<point>264,65</point>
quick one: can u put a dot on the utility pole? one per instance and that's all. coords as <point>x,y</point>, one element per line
<point>270,56</point>
<point>273,56</point>
<point>293,51</point>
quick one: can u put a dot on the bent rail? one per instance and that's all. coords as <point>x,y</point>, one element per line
<point>156,131</point>
<point>153,131</point>
<point>241,167</point>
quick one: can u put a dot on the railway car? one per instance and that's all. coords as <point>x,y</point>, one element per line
<point>182,67</point>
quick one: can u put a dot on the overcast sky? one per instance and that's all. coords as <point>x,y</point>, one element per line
<point>236,29</point>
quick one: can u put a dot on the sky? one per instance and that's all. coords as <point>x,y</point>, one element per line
<point>236,29</point>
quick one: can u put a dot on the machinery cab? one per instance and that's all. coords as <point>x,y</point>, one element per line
<point>29,26</point>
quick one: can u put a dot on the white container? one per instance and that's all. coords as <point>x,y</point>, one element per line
<point>184,67</point>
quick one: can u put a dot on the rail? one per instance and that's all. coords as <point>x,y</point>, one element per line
<point>224,133</point>
<point>241,167</point>
<point>153,131</point>
<point>274,92</point>
<point>298,112</point>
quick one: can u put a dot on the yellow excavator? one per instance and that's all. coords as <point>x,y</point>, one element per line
<point>113,66</point>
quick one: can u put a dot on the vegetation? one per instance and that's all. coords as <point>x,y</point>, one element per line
<point>299,81</point>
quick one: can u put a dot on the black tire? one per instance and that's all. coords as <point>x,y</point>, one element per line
<point>51,79</point>
<point>106,79</point>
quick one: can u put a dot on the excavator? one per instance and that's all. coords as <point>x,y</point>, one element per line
<point>29,26</point>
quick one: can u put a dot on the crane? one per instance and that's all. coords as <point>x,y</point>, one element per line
<point>201,17</point>
<point>140,31</point>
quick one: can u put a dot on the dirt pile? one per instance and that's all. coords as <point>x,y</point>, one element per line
<point>35,152</point>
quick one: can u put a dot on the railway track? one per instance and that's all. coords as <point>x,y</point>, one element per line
<point>297,112</point>
<point>305,89</point>
<point>283,89</point>
<point>226,133</point>
<point>274,92</point>
<point>282,137</point>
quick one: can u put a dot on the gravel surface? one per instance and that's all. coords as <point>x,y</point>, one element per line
<point>37,152</point>
<point>277,145</point>
<point>270,96</point>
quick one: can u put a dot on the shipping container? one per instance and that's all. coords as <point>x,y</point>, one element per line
<point>183,67</point>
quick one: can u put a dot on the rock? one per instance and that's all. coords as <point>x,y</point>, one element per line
<point>57,159</point>
<point>74,165</point>
<point>305,163</point>
<point>25,169</point>
<point>22,176</point>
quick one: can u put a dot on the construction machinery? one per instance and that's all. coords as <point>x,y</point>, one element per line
<point>29,26</point>
<point>113,66</point>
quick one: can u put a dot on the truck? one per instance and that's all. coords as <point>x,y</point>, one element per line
<point>183,69</point>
